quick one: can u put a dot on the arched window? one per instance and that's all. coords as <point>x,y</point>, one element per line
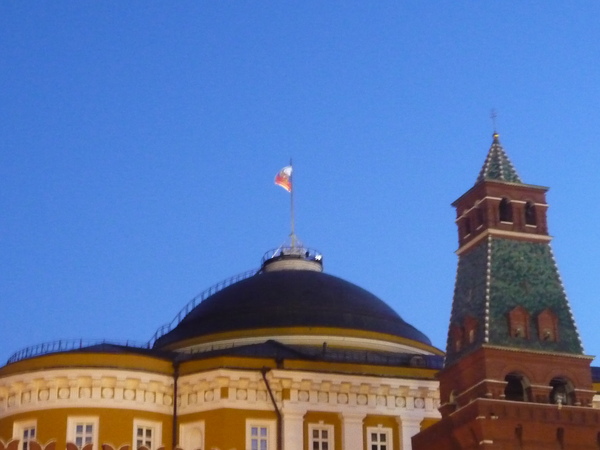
<point>467,225</point>
<point>478,217</point>
<point>470,329</point>
<point>418,361</point>
<point>518,322</point>
<point>562,392</point>
<point>452,399</point>
<point>505,211</point>
<point>517,388</point>
<point>192,435</point>
<point>548,326</point>
<point>456,336</point>
<point>530,216</point>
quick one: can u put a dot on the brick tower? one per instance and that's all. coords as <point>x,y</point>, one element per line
<point>515,376</point>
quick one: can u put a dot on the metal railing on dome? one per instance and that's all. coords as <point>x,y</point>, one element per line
<point>308,254</point>
<point>65,345</point>
<point>164,329</point>
<point>384,358</point>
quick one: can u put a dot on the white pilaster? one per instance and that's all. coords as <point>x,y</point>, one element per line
<point>293,430</point>
<point>409,426</point>
<point>352,431</point>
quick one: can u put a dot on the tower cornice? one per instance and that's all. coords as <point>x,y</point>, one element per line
<point>502,234</point>
<point>502,185</point>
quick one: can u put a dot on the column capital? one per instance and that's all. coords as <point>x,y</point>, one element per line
<point>409,420</point>
<point>293,413</point>
<point>351,417</point>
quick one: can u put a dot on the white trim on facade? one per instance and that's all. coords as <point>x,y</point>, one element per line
<point>86,388</point>
<point>73,431</point>
<point>145,425</point>
<point>260,433</point>
<point>322,435</point>
<point>19,428</point>
<point>379,438</point>
<point>327,392</point>
<point>332,340</point>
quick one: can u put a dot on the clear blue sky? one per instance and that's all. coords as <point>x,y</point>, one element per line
<point>139,141</point>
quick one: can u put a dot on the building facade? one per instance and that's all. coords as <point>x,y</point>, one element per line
<point>285,358</point>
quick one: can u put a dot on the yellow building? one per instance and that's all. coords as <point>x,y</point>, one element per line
<point>287,358</point>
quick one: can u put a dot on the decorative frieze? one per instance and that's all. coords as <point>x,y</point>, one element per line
<point>83,388</point>
<point>306,391</point>
<point>215,389</point>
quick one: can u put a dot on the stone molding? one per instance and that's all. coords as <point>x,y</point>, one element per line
<point>221,388</point>
<point>304,391</point>
<point>86,388</point>
<point>317,339</point>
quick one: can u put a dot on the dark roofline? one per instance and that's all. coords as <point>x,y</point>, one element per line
<point>278,351</point>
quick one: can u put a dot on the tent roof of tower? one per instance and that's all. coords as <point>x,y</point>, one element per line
<point>497,165</point>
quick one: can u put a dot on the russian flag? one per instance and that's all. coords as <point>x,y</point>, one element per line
<point>284,178</point>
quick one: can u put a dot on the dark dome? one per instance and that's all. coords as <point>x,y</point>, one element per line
<point>291,298</point>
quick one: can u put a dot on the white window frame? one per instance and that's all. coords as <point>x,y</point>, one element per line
<point>73,421</point>
<point>321,427</point>
<point>156,432</point>
<point>20,427</point>
<point>389,444</point>
<point>185,429</point>
<point>271,432</point>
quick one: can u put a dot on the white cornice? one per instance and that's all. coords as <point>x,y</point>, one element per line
<point>307,391</point>
<point>493,232</point>
<point>85,388</point>
<point>312,340</point>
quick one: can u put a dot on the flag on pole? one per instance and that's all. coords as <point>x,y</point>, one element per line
<point>284,178</point>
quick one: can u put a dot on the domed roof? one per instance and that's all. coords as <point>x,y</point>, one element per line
<point>290,298</point>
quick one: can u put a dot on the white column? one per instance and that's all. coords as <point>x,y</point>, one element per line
<point>409,426</point>
<point>352,431</point>
<point>293,430</point>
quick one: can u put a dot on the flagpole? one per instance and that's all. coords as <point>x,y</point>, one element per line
<point>292,234</point>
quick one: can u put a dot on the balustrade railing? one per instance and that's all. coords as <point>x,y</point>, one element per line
<point>164,329</point>
<point>65,345</point>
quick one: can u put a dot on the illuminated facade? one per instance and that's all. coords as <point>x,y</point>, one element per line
<point>288,357</point>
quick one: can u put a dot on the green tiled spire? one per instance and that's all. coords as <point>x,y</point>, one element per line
<point>500,275</point>
<point>508,291</point>
<point>497,166</point>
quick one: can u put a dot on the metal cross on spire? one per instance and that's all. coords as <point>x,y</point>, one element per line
<point>493,116</point>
